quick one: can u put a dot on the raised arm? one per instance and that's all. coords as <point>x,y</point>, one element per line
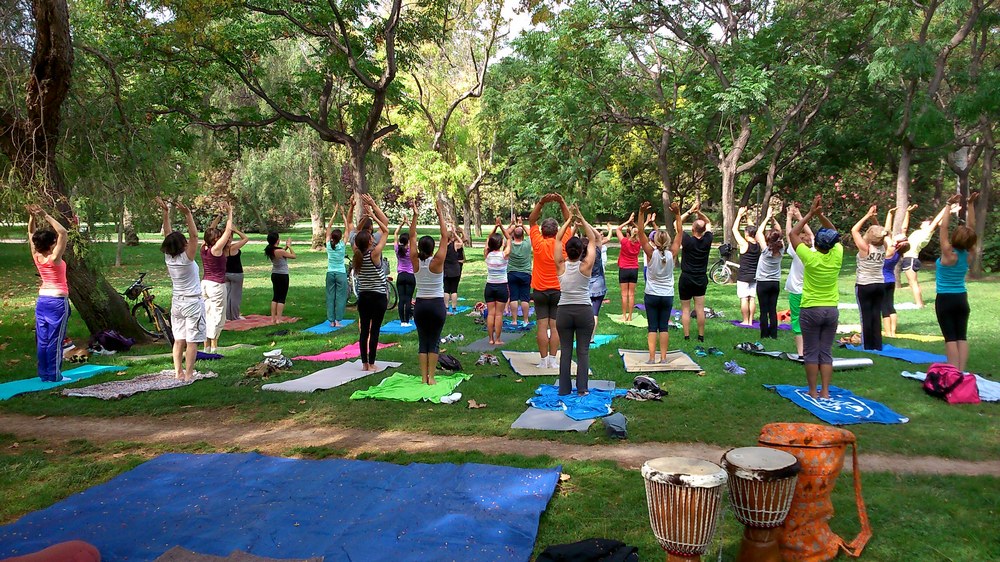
<point>241,242</point>
<point>618,229</point>
<point>349,217</point>
<point>62,236</point>
<point>536,212</point>
<point>675,246</point>
<point>437,263</point>
<point>396,235</point>
<point>593,251</point>
<point>557,248</point>
<point>888,217</point>
<point>948,255</point>
<point>759,236</point>
<point>220,244</point>
<point>287,252</point>
<point>377,211</point>
<point>377,250</point>
<point>737,235</point>
<point>215,222</point>
<point>167,229</point>
<point>795,234</point>
<point>329,224</point>
<point>643,239</point>
<point>970,214</point>
<point>32,209</point>
<point>192,247</point>
<point>859,240</point>
<point>944,212</point>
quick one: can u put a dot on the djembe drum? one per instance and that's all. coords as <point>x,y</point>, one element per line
<point>761,487</point>
<point>685,500</point>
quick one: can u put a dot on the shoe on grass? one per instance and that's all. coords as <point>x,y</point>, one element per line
<point>700,351</point>
<point>715,351</point>
<point>734,368</point>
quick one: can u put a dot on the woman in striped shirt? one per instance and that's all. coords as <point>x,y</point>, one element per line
<point>373,294</point>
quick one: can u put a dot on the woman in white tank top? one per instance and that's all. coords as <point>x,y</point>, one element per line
<point>575,317</point>
<point>659,296</point>
<point>429,313</point>
<point>869,289</point>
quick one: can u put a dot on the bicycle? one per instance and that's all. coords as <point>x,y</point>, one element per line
<point>721,271</point>
<point>352,292</point>
<point>152,318</point>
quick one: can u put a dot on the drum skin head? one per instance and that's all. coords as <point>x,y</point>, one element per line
<point>683,471</point>
<point>760,463</point>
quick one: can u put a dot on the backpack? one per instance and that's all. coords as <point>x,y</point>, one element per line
<point>113,341</point>
<point>647,383</point>
<point>947,382</point>
<point>449,362</point>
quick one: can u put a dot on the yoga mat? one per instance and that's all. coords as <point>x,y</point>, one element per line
<point>842,408</point>
<point>347,352</point>
<point>483,344</point>
<point>169,355</point>
<point>635,362</point>
<point>324,327</point>
<point>113,390</point>
<point>251,321</point>
<point>512,328</point>
<point>903,354</point>
<point>531,312</point>
<point>549,420</point>
<point>525,363</point>
<point>409,388</point>
<point>839,363</point>
<point>292,508</point>
<point>756,325</point>
<point>900,306</point>
<point>595,404</point>
<point>395,327</point>
<point>601,339</point>
<point>332,377</point>
<point>915,337</point>
<point>989,391</point>
<point>23,386</point>
<point>638,320</point>
<point>460,309</point>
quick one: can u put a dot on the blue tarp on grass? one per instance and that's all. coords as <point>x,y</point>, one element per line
<point>289,508</point>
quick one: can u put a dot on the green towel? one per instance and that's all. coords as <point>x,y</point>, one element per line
<point>638,320</point>
<point>409,388</point>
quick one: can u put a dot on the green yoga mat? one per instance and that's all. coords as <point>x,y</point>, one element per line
<point>638,320</point>
<point>409,388</point>
<point>13,388</point>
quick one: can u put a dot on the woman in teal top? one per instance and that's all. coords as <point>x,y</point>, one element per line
<point>952,303</point>
<point>336,273</point>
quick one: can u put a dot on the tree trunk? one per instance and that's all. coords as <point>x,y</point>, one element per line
<point>466,219</point>
<point>983,205</point>
<point>477,212</point>
<point>666,183</point>
<point>728,171</point>
<point>121,239</point>
<point>772,172</point>
<point>128,224</point>
<point>903,183</point>
<point>315,199</point>
<point>359,175</point>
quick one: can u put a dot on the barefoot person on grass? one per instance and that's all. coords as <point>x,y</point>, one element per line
<point>869,287</point>
<point>768,275</point>
<point>693,281</point>
<point>336,272</point>
<point>793,284</point>
<point>429,312</point>
<point>496,294</point>
<point>911,258</point>
<point>575,322</point>
<point>952,303</point>
<point>234,275</point>
<point>746,280</point>
<point>544,279</point>
<point>900,245</point>
<point>52,307</point>
<point>373,291</point>
<point>628,264</point>
<point>519,273</point>
<point>659,292</point>
<point>279,273</point>
<point>187,309</point>
<point>819,315</point>
<point>213,283</point>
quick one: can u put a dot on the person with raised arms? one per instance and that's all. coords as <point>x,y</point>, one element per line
<point>279,273</point>
<point>768,275</point>
<point>819,315</point>
<point>746,281</point>
<point>336,272</point>
<point>453,264</point>
<point>659,291</point>
<point>918,239</point>
<point>692,284</point>
<point>213,283</point>
<point>48,245</point>
<point>187,308</point>
<point>544,279</point>
<point>574,261</point>
<point>869,287</point>
<point>794,281</point>
<point>519,273</point>
<point>406,283</point>
<point>234,275</point>
<point>598,283</point>
<point>628,264</point>
<point>899,245</point>
<point>952,303</point>
<point>496,294</point>
<point>429,312</point>
<point>373,290</point>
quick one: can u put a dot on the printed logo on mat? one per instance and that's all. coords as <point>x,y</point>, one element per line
<point>845,406</point>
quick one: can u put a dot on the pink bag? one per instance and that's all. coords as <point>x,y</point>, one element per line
<point>945,381</point>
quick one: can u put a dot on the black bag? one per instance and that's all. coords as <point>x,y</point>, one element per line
<point>590,550</point>
<point>449,362</point>
<point>113,341</point>
<point>647,383</point>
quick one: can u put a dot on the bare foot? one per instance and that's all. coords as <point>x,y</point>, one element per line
<point>364,366</point>
<point>584,393</point>
<point>813,394</point>
<point>430,380</point>
<point>825,394</point>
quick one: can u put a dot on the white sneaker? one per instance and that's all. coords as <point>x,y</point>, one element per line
<point>553,363</point>
<point>451,398</point>
<point>544,363</point>
<point>404,325</point>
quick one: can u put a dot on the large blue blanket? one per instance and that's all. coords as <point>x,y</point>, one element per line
<point>842,408</point>
<point>288,508</point>
<point>596,404</point>
<point>903,354</point>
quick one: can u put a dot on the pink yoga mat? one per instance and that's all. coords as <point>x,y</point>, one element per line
<point>251,321</point>
<point>346,352</point>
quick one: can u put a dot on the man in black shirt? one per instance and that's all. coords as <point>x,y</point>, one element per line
<point>693,282</point>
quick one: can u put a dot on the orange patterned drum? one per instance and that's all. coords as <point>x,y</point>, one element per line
<point>685,500</point>
<point>761,487</point>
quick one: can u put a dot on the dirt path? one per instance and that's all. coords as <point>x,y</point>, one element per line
<point>279,437</point>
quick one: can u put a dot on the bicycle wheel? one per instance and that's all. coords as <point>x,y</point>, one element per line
<point>163,323</point>
<point>352,293</point>
<point>144,317</point>
<point>393,296</point>
<point>721,274</point>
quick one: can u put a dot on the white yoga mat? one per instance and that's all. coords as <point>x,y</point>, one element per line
<point>329,378</point>
<point>635,362</point>
<point>525,363</point>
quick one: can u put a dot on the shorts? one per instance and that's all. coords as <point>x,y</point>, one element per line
<point>496,292</point>
<point>952,310</point>
<point>546,303</point>
<point>795,304</point>
<point>746,290</point>
<point>451,285</point>
<point>911,264</point>
<point>595,303</point>
<point>519,285</point>
<point>628,276</point>
<point>689,287</point>
<point>187,319</point>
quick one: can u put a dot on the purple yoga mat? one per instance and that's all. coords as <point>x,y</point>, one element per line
<point>756,325</point>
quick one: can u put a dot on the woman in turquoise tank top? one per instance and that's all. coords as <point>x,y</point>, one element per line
<point>952,303</point>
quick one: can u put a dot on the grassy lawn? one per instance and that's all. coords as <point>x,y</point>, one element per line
<point>717,408</point>
<point>36,474</point>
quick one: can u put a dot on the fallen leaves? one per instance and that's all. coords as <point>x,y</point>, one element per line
<point>473,405</point>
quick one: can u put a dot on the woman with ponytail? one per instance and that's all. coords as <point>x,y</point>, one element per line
<point>576,315</point>
<point>405,282</point>
<point>659,295</point>
<point>429,312</point>
<point>373,291</point>
<point>768,275</point>
<point>279,273</point>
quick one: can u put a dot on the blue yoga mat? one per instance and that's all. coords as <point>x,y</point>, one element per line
<point>842,408</point>
<point>600,339</point>
<point>13,388</point>
<point>903,354</point>
<point>461,309</point>
<point>324,327</point>
<point>289,508</point>
<point>395,327</point>
<point>596,404</point>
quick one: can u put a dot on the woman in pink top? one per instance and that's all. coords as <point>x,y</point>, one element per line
<point>52,308</point>
<point>628,264</point>
<point>213,283</point>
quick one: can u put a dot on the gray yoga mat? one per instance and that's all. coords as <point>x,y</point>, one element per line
<point>332,377</point>
<point>839,364</point>
<point>483,345</point>
<point>550,420</point>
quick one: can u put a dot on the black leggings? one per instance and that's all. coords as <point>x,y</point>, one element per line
<point>889,300</point>
<point>574,320</point>
<point>371,312</point>
<point>870,307</point>
<point>279,287</point>
<point>406,284</point>
<point>952,311</point>
<point>430,316</point>
<point>658,312</point>
<point>767,299</point>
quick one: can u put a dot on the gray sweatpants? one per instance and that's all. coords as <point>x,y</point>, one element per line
<point>234,295</point>
<point>574,320</point>
<point>819,329</point>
